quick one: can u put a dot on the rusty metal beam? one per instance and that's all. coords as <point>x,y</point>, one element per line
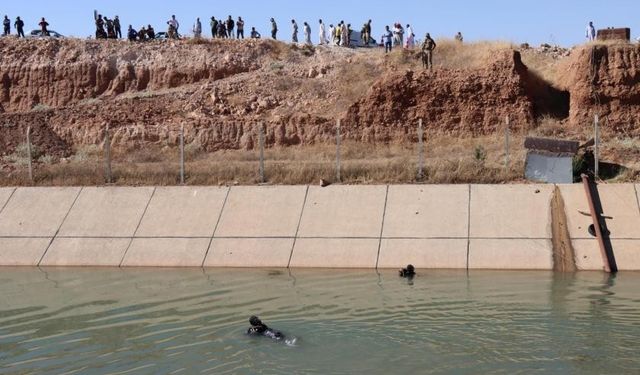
<point>604,243</point>
<point>552,145</point>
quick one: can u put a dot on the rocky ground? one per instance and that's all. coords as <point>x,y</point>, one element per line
<point>67,91</point>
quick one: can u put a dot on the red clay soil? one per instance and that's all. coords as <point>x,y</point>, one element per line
<point>67,90</point>
<point>605,80</point>
<point>458,101</point>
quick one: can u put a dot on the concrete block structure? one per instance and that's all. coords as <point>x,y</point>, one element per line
<point>468,227</point>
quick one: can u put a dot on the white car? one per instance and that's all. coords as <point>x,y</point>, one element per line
<point>38,34</point>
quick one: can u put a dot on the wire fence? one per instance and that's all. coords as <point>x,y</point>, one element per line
<point>427,157</point>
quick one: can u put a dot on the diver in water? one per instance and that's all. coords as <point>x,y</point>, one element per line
<point>408,272</point>
<point>260,329</point>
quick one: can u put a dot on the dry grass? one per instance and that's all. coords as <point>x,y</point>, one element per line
<point>448,160</point>
<point>454,55</point>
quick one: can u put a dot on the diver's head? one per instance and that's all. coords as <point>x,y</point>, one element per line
<point>255,321</point>
<point>411,269</point>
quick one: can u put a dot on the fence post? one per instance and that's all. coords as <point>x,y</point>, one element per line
<point>29,154</point>
<point>182,154</point>
<point>507,135</point>
<point>107,155</point>
<point>338,158</point>
<point>596,153</point>
<point>420,151</point>
<point>261,145</point>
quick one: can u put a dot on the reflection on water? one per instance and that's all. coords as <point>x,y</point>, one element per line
<point>113,321</point>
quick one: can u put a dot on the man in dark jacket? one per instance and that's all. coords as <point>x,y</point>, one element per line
<point>230,26</point>
<point>19,25</point>
<point>7,25</point>
<point>116,25</point>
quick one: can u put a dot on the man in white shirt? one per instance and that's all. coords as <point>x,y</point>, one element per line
<point>591,32</point>
<point>197,29</point>
<point>173,22</point>
<point>323,34</point>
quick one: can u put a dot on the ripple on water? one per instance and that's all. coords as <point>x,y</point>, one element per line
<point>182,321</point>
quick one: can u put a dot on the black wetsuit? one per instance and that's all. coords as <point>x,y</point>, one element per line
<point>263,330</point>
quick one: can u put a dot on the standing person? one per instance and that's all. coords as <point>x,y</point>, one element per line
<point>197,29</point>
<point>322,33</point>
<point>214,27</point>
<point>142,34</point>
<point>173,22</point>
<point>7,25</point>
<point>240,28</point>
<point>230,26</point>
<point>591,32</point>
<point>116,25</point>
<point>100,33</point>
<point>43,27</point>
<point>294,31</point>
<point>366,35</point>
<point>410,43</point>
<point>459,37</point>
<point>222,30</point>
<point>427,52</point>
<point>111,31</point>
<point>332,34</point>
<point>19,25</point>
<point>388,40</point>
<point>307,34</point>
<point>274,29</point>
<point>344,34</point>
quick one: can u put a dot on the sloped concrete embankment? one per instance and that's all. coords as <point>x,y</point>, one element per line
<point>439,227</point>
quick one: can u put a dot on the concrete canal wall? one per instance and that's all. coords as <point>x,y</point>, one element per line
<point>430,226</point>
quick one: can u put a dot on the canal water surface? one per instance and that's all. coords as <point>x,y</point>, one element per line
<point>140,321</point>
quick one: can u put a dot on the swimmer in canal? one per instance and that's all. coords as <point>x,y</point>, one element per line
<point>408,272</point>
<point>260,329</point>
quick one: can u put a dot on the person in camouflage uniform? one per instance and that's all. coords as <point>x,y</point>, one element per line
<point>427,52</point>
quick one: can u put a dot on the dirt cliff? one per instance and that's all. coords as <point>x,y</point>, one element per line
<point>605,79</point>
<point>462,100</point>
<point>68,90</point>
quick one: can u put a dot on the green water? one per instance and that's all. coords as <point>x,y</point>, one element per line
<point>112,321</point>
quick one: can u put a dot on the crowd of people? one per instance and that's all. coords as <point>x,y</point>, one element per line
<point>339,35</point>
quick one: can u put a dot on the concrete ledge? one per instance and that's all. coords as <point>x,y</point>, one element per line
<point>424,253</point>
<point>249,252</point>
<point>427,211</point>
<point>22,251</point>
<point>588,257</point>
<point>99,252</point>
<point>619,201</point>
<point>106,212</point>
<point>182,212</point>
<point>5,193</point>
<point>335,253</point>
<point>166,252</point>
<point>264,211</point>
<point>36,212</point>
<point>511,211</point>
<point>343,211</point>
<point>508,254</point>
